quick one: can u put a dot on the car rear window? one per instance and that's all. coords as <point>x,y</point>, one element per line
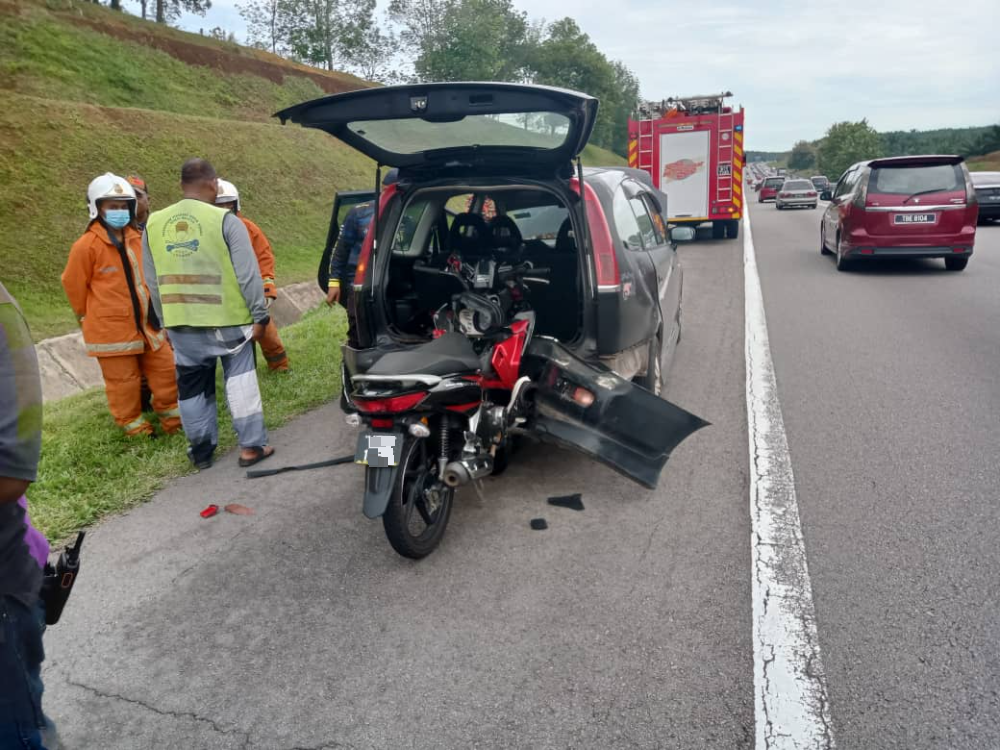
<point>798,185</point>
<point>775,182</point>
<point>907,180</point>
<point>986,178</point>
<point>539,223</point>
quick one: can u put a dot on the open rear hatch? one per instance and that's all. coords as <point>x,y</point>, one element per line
<point>595,411</point>
<point>501,125</point>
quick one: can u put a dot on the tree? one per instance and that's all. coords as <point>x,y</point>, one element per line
<point>267,23</point>
<point>167,10</point>
<point>803,156</point>
<point>568,58</point>
<point>463,40</point>
<point>846,143</point>
<point>327,32</point>
<point>374,53</point>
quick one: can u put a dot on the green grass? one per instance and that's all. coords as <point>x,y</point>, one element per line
<point>987,163</point>
<point>80,52</point>
<point>50,150</point>
<point>89,469</point>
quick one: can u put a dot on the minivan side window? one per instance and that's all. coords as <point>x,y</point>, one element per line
<point>646,227</point>
<point>625,221</point>
<point>845,184</point>
<point>659,226</point>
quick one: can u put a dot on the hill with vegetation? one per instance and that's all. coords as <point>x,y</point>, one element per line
<point>86,90</point>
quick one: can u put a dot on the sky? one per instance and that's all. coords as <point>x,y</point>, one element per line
<point>796,67</point>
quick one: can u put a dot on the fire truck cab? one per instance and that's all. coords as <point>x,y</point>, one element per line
<point>692,147</point>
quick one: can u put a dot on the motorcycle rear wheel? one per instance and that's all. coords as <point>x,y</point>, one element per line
<point>420,506</point>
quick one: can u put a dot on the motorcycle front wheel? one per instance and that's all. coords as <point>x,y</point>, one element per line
<point>420,506</point>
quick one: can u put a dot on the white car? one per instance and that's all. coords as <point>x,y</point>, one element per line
<point>796,194</point>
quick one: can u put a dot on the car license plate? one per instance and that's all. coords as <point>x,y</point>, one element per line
<point>915,218</point>
<point>378,449</point>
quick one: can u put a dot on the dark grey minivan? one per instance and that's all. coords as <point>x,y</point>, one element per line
<point>488,174</point>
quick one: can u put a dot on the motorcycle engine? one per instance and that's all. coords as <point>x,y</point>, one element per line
<point>478,314</point>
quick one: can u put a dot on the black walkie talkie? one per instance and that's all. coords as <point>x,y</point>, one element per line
<point>59,580</point>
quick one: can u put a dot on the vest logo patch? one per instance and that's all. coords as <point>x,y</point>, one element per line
<point>182,235</point>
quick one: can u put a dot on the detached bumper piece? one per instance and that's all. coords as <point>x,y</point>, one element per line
<point>593,410</point>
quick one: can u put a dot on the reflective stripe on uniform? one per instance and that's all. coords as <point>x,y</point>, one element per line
<point>169,413</point>
<point>138,424</point>
<point>129,346</point>
<point>196,299</point>
<point>188,278</point>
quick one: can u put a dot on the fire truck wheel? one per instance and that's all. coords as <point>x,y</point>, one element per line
<point>733,229</point>
<point>718,230</point>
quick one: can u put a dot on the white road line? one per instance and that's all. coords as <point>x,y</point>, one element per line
<point>791,705</point>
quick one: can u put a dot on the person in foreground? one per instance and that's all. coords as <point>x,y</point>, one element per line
<point>206,288</point>
<point>23,550</point>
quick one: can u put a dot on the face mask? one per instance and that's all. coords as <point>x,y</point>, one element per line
<point>117,217</point>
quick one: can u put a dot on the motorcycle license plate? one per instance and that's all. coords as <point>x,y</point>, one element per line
<point>378,449</point>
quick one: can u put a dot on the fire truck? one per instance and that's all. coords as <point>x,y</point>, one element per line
<point>692,147</point>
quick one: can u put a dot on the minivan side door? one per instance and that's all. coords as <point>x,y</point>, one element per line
<point>835,211</point>
<point>633,317</point>
<point>342,203</point>
<point>663,254</point>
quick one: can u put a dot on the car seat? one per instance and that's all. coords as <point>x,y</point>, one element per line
<point>505,235</point>
<point>469,237</point>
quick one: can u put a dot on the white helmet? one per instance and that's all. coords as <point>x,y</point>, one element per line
<point>227,193</point>
<point>109,186</point>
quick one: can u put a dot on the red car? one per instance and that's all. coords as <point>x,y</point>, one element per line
<point>902,207</point>
<point>769,190</point>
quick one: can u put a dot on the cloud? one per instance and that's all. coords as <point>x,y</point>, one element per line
<point>797,66</point>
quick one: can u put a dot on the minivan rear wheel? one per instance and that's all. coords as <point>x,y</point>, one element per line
<point>652,381</point>
<point>956,264</point>
<point>843,263</point>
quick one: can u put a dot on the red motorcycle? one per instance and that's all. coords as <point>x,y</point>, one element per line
<point>444,413</point>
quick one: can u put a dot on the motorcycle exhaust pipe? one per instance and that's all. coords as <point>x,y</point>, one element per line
<point>465,470</point>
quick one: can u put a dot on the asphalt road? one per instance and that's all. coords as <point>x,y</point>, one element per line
<point>627,625</point>
<point>888,383</point>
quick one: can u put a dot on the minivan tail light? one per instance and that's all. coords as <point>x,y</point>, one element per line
<point>364,257</point>
<point>862,194</point>
<point>605,260</point>
<point>971,199</point>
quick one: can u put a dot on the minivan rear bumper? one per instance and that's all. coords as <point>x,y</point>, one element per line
<point>875,252</point>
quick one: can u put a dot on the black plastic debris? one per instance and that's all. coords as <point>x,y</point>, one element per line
<point>539,524</point>
<point>573,502</point>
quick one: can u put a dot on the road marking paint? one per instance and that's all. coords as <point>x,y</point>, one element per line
<point>791,704</point>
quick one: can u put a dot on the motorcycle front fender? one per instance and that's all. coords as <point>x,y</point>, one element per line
<point>379,484</point>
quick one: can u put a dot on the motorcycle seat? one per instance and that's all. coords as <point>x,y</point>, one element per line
<point>449,354</point>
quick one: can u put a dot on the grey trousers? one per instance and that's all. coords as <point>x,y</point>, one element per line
<point>196,351</point>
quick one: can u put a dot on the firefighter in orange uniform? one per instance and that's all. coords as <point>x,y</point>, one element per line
<point>274,351</point>
<point>105,286</point>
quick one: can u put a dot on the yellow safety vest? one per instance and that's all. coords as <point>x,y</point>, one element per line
<point>198,286</point>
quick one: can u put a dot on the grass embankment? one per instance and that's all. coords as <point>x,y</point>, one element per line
<point>987,163</point>
<point>50,150</point>
<point>89,469</point>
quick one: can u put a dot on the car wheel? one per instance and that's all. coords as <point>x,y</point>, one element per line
<point>956,264</point>
<point>814,205</point>
<point>842,262</point>
<point>822,242</point>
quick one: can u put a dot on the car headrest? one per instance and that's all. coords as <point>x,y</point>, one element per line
<point>565,240</point>
<point>504,234</point>
<point>469,235</point>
